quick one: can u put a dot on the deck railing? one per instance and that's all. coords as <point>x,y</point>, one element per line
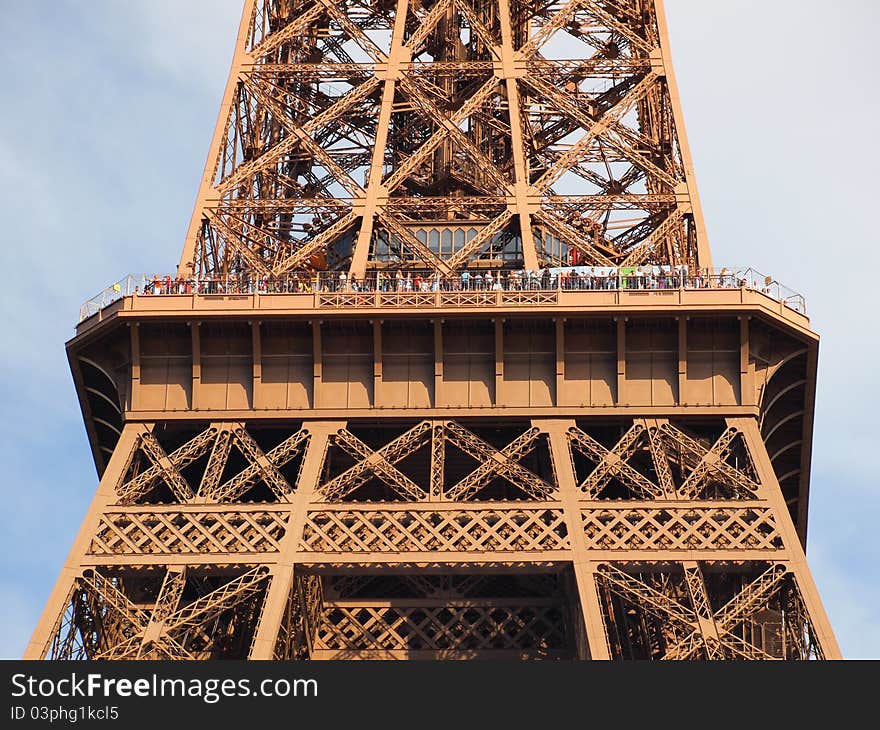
<point>465,289</point>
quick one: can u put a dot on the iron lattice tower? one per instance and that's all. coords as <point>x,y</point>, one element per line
<point>378,472</point>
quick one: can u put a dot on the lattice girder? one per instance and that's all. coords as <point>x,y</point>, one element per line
<point>698,467</point>
<point>712,633</point>
<point>563,113</point>
<point>468,531</point>
<point>167,629</point>
<point>611,463</point>
<point>135,485</point>
<point>491,463</point>
<point>471,626</point>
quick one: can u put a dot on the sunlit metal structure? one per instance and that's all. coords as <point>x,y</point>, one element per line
<point>373,470</point>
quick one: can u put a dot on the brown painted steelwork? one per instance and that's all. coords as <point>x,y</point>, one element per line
<point>445,474</point>
<point>445,135</point>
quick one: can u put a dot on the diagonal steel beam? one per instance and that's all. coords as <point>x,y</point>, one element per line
<point>613,463</point>
<point>503,463</point>
<point>379,463</point>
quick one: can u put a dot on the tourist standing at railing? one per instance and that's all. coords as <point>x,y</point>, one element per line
<point>563,278</point>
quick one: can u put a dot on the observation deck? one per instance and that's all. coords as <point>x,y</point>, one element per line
<point>720,345</point>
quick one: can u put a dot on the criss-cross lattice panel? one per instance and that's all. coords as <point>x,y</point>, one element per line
<point>456,628</point>
<point>202,467</point>
<point>191,531</point>
<point>296,635</point>
<point>701,611</point>
<point>720,469</point>
<point>494,462</point>
<point>673,528</point>
<point>615,467</point>
<point>77,635</point>
<point>170,615</point>
<point>378,464</point>
<point>544,132</point>
<point>479,468</point>
<point>396,531</point>
<point>663,462</point>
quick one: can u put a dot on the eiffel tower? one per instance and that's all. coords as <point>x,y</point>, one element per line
<point>446,370</point>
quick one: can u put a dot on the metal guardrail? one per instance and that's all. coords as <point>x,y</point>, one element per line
<point>414,282</point>
<point>126,286</point>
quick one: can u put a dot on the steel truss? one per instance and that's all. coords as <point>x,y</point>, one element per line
<point>647,539</point>
<point>436,136</point>
<point>546,133</point>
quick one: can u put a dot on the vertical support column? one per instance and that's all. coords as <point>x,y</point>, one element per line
<point>521,187</point>
<point>584,568</point>
<point>398,55</point>
<point>438,363</point>
<point>746,369</point>
<point>377,360</point>
<point>134,330</point>
<point>316,363</point>
<point>703,252</point>
<point>621,361</point>
<point>703,608</point>
<point>499,359</point>
<point>770,490</point>
<point>560,359</point>
<point>104,496</point>
<point>257,362</point>
<point>282,573</point>
<point>806,452</point>
<point>274,606</point>
<point>682,361</point>
<point>196,364</point>
<point>166,603</point>
<point>241,57</point>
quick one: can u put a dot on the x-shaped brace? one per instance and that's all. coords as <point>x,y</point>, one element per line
<point>494,462</point>
<point>165,467</point>
<point>709,463</point>
<point>379,463</point>
<point>613,463</point>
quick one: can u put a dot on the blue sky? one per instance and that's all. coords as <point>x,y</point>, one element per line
<point>108,113</point>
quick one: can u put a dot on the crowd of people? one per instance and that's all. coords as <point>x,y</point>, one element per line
<point>568,279</point>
